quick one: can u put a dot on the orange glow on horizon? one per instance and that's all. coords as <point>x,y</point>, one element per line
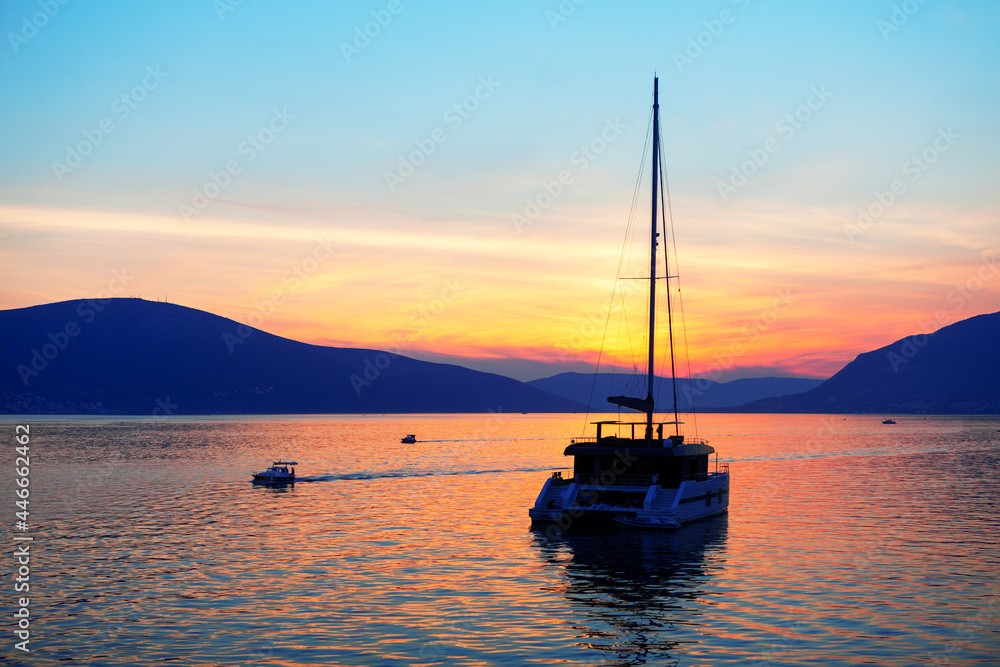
<point>491,294</point>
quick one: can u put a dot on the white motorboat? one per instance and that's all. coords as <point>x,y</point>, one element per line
<point>277,473</point>
<point>642,479</point>
<point>410,439</point>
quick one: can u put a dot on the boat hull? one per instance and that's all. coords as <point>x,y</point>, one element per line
<point>269,479</point>
<point>563,503</point>
<point>572,517</point>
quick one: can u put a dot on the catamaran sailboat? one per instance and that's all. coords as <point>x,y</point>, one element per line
<point>643,479</point>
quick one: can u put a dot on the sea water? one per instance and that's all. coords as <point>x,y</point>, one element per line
<point>847,542</point>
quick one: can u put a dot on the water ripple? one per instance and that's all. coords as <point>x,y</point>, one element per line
<point>864,546</point>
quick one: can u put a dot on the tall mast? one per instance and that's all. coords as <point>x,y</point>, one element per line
<point>652,254</point>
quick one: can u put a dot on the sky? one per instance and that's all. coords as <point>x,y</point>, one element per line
<point>453,181</point>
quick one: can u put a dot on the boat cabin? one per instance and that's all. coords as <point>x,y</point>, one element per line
<point>614,461</point>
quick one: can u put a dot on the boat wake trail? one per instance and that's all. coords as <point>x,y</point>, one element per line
<point>396,474</point>
<point>489,440</point>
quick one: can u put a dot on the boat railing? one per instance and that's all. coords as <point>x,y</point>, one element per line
<point>722,468</point>
<point>590,440</point>
<point>611,479</point>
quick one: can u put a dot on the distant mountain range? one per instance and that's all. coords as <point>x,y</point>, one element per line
<point>129,356</point>
<point>700,394</point>
<point>955,370</point>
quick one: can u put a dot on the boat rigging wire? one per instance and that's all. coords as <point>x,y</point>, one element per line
<point>669,213</point>
<point>618,285</point>
<point>666,273</point>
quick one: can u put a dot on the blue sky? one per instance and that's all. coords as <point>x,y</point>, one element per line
<point>558,74</point>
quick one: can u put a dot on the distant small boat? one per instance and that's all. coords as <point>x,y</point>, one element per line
<point>888,421</point>
<point>654,523</point>
<point>410,439</point>
<point>277,473</point>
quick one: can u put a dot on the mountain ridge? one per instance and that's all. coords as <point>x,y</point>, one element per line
<point>953,370</point>
<point>131,356</point>
<point>699,394</point>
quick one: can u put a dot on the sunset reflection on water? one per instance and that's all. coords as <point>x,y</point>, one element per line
<point>847,542</point>
<point>639,591</point>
